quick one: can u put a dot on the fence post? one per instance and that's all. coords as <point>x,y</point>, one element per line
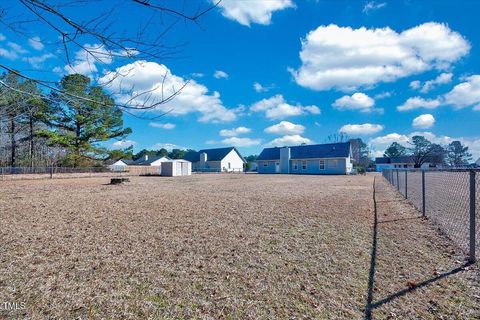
<point>398,183</point>
<point>406,184</point>
<point>423,193</point>
<point>472,216</point>
<point>51,172</point>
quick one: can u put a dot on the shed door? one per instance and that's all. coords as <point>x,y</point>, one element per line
<point>277,167</point>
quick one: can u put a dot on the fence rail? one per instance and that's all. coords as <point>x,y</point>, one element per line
<point>32,173</point>
<point>450,198</point>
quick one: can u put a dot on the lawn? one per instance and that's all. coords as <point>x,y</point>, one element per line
<point>226,246</point>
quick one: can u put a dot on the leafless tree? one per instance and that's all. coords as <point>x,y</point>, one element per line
<point>112,37</point>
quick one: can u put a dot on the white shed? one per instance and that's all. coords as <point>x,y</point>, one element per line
<point>178,167</point>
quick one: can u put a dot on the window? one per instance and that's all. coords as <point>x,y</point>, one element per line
<point>229,165</point>
<point>322,164</point>
<point>295,165</point>
<point>333,163</point>
<point>304,165</point>
<point>265,163</point>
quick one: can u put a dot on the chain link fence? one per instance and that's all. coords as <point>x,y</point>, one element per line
<point>32,173</point>
<point>450,198</point>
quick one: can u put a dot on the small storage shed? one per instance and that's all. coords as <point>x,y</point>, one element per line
<point>174,168</point>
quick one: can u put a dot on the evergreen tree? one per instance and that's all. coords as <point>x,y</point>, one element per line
<point>83,116</point>
<point>457,154</point>
<point>395,150</point>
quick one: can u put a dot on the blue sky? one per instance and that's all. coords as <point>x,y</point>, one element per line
<point>284,72</point>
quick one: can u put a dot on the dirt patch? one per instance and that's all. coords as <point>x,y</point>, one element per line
<point>220,246</point>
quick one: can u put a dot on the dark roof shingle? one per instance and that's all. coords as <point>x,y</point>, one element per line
<point>212,154</point>
<point>329,150</point>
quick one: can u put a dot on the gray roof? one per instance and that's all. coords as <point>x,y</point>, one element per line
<point>216,154</point>
<point>399,159</point>
<point>143,162</point>
<point>314,151</point>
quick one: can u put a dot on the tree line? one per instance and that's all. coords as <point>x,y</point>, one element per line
<point>63,127</point>
<point>422,151</point>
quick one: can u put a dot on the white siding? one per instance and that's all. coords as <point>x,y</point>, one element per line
<point>236,163</point>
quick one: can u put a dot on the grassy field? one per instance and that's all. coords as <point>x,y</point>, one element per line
<point>226,246</point>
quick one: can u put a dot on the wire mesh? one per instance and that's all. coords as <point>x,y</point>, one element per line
<point>447,203</point>
<point>447,199</point>
<point>414,190</point>
<point>477,216</point>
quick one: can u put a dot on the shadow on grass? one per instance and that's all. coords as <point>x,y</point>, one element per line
<point>371,305</point>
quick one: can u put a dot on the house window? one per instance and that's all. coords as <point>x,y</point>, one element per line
<point>333,163</point>
<point>322,164</point>
<point>304,165</point>
<point>295,165</point>
<point>229,165</point>
<point>265,164</point>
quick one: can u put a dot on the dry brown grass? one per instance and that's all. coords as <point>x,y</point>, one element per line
<point>223,246</point>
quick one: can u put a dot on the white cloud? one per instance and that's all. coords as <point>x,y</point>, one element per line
<point>260,88</point>
<point>418,102</point>
<point>382,142</point>
<point>197,75</point>
<point>345,58</point>
<point>277,108</point>
<point>442,78</point>
<point>361,129</point>
<point>383,95</point>
<point>465,94</point>
<point>234,132</point>
<point>167,146</point>
<point>36,43</point>
<point>241,142</point>
<point>415,84</point>
<point>289,140</point>
<point>128,82</point>
<point>424,121</point>
<point>85,61</point>
<point>2,37</point>
<point>36,62</point>
<point>313,109</point>
<point>252,11</point>
<point>357,101</point>
<point>219,74</point>
<point>166,126</point>
<point>12,51</point>
<point>285,128</point>
<point>372,6</point>
<point>122,144</point>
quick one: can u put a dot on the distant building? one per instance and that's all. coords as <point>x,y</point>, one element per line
<point>155,161</point>
<point>216,160</point>
<point>477,163</point>
<point>332,158</point>
<point>401,162</point>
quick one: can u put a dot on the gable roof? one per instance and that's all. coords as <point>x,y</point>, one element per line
<point>143,162</point>
<point>399,159</point>
<point>212,154</point>
<point>126,161</point>
<point>328,150</point>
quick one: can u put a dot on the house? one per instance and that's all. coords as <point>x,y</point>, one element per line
<point>216,160</point>
<point>177,167</point>
<point>401,162</point>
<point>154,161</point>
<point>331,158</point>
